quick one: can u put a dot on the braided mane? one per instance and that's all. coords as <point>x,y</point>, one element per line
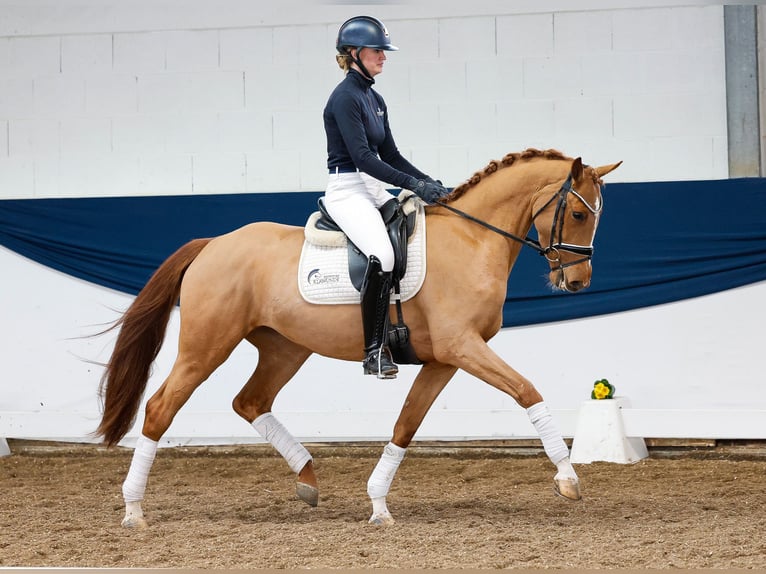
<point>507,161</point>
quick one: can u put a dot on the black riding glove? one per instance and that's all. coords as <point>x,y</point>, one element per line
<point>428,191</point>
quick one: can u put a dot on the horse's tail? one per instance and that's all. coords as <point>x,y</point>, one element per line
<point>142,331</point>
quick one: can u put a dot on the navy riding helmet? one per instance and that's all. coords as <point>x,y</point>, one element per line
<point>363,32</point>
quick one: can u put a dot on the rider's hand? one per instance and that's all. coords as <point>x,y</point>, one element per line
<point>428,191</point>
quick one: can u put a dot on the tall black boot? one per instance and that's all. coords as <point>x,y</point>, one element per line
<point>376,292</point>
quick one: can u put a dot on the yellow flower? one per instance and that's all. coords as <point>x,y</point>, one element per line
<point>601,391</point>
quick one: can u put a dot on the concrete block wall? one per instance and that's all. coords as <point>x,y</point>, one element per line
<point>228,97</point>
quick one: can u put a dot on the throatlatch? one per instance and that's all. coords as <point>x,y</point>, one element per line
<point>376,292</point>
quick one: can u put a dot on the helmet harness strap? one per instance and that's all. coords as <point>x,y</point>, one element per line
<point>358,61</point>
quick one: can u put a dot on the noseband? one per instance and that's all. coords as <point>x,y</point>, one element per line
<point>553,251</point>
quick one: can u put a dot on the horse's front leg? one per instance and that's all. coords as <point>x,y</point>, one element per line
<point>473,355</point>
<point>431,379</point>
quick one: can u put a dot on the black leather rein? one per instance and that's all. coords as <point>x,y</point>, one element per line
<point>552,251</point>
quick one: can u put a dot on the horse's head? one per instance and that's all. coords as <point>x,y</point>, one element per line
<point>566,217</point>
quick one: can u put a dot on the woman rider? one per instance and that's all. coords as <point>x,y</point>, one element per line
<point>361,157</point>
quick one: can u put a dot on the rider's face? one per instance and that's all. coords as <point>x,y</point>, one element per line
<point>372,59</point>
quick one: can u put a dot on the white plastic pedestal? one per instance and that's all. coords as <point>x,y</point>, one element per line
<point>5,450</point>
<point>600,434</point>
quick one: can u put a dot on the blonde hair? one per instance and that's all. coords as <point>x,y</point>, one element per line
<point>344,61</point>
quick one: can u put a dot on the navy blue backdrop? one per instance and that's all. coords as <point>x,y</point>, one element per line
<point>657,242</point>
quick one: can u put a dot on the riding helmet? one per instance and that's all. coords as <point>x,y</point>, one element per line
<point>363,32</point>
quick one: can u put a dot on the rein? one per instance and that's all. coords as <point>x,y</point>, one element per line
<point>553,251</point>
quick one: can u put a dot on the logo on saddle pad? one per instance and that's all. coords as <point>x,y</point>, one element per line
<point>316,277</point>
<point>323,270</point>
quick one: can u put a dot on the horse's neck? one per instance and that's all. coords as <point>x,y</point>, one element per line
<point>504,200</point>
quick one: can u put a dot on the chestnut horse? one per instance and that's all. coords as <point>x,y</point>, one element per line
<point>243,285</point>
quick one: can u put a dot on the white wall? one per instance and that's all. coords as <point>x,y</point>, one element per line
<point>690,369</point>
<point>101,97</point>
<point>104,97</point>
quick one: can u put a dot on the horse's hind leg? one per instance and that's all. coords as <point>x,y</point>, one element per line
<point>185,376</point>
<point>206,340</point>
<point>278,361</point>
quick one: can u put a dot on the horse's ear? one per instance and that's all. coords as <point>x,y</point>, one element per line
<point>604,169</point>
<point>576,170</point>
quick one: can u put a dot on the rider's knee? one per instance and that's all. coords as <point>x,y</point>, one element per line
<point>387,259</point>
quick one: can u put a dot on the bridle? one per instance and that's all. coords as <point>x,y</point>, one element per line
<point>553,251</point>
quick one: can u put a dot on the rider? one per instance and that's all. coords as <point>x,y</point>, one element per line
<point>362,156</point>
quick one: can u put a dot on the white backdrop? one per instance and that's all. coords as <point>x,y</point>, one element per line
<point>690,369</point>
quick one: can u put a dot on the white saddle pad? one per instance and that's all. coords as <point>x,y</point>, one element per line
<point>323,269</point>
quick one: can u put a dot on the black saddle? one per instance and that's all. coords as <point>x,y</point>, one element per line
<point>400,226</point>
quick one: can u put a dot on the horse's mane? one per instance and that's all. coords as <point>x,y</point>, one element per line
<point>507,161</point>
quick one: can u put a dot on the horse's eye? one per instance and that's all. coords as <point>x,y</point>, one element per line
<point>578,215</point>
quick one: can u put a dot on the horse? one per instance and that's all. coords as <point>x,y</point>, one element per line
<point>242,286</point>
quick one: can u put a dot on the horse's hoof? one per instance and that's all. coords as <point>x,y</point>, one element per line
<point>382,519</point>
<point>307,493</point>
<point>136,522</point>
<point>567,488</point>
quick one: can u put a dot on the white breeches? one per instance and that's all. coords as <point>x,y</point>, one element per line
<point>352,200</point>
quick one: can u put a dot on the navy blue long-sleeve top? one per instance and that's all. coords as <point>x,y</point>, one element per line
<point>358,134</point>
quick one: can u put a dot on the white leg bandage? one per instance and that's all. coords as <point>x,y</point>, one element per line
<point>383,475</point>
<point>135,483</point>
<point>553,442</point>
<point>291,450</point>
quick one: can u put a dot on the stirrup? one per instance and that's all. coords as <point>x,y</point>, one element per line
<point>378,362</point>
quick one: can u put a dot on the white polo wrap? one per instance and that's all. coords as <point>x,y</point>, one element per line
<point>553,442</point>
<point>135,483</point>
<point>383,475</point>
<point>280,438</point>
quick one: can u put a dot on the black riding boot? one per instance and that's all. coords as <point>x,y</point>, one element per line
<point>376,291</point>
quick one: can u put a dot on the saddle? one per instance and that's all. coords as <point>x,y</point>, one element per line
<point>400,217</point>
<point>400,221</point>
